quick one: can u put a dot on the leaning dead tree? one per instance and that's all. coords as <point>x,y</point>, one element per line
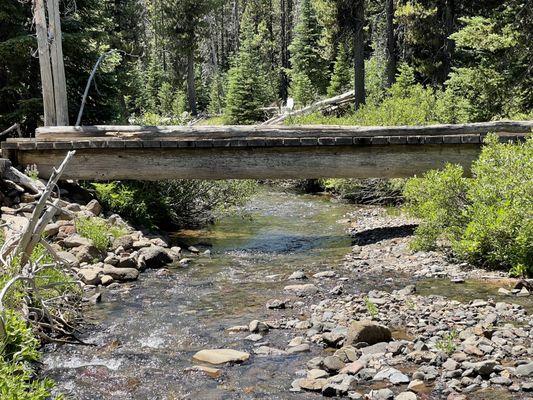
<point>49,42</point>
<point>33,287</point>
<point>320,105</point>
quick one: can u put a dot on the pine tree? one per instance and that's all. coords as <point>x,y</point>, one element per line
<point>246,79</point>
<point>306,53</point>
<point>217,96</point>
<point>342,78</point>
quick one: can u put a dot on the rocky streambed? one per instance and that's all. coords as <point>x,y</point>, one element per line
<point>277,301</point>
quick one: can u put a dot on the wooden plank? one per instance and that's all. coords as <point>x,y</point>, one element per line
<point>302,162</point>
<point>257,131</point>
<point>44,63</point>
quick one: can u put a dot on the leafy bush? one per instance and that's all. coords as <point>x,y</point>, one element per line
<point>172,204</point>
<point>405,103</point>
<point>18,351</point>
<point>486,219</point>
<point>98,231</point>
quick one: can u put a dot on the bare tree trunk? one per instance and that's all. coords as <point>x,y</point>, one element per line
<point>284,79</point>
<point>58,67</point>
<point>449,45</point>
<point>191,89</point>
<point>359,55</point>
<point>44,63</point>
<point>391,43</point>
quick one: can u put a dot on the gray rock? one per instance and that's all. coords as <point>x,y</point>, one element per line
<point>76,240</point>
<point>69,259</point>
<point>276,304</point>
<point>483,368</point>
<point>254,337</point>
<point>297,275</point>
<point>332,363</point>
<point>154,256</point>
<point>257,326</point>
<point>524,370</point>
<point>301,348</point>
<point>302,290</point>
<point>90,276</point>
<point>325,274</point>
<point>126,242</point>
<point>94,207</point>
<point>381,394</point>
<point>269,351</point>
<point>367,331</point>
<point>121,274</point>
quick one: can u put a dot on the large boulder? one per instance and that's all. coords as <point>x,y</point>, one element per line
<point>154,256</point>
<point>221,356</point>
<point>367,331</point>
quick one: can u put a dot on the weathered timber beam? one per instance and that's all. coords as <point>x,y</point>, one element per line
<point>230,131</point>
<point>253,163</point>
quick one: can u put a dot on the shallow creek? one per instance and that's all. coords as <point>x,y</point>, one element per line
<point>146,333</point>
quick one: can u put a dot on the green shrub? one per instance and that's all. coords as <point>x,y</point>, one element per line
<point>18,352</point>
<point>172,204</point>
<point>487,219</point>
<point>98,231</point>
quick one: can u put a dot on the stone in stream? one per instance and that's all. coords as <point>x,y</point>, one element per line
<point>381,394</point>
<point>325,274</point>
<point>302,290</point>
<point>254,337</point>
<point>221,356</point>
<point>121,274</point>
<point>504,292</point>
<point>333,363</point>
<point>314,385</point>
<point>154,256</point>
<point>126,242</point>
<point>301,348</point>
<point>297,275</point>
<point>367,331</point>
<point>269,351</point>
<point>276,304</point>
<point>257,326</point>
<point>210,371</point>
<point>317,373</point>
<point>90,276</point>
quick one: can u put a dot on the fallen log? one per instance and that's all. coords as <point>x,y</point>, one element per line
<point>317,106</point>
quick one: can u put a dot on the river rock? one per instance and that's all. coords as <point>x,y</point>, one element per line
<point>524,370</point>
<point>504,292</point>
<point>367,331</point>
<point>301,348</point>
<point>90,276</point>
<point>51,230</point>
<point>76,240</point>
<point>483,368</point>
<point>325,274</point>
<point>269,351</point>
<point>297,275</point>
<point>317,373</point>
<point>221,356</point>
<point>121,274</point>
<point>381,394</point>
<point>210,371</point>
<point>126,242</point>
<point>406,396</point>
<point>333,363</point>
<point>106,280</point>
<point>94,207</point>
<point>126,261</point>
<point>87,254</point>
<point>276,304</point>
<point>69,259</point>
<point>314,385</point>
<point>155,256</point>
<point>257,326</point>
<point>302,290</point>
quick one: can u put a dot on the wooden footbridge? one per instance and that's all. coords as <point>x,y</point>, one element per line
<point>224,152</point>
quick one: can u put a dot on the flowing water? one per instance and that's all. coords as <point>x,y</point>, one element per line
<point>145,334</point>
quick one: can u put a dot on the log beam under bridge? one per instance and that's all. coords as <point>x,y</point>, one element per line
<point>255,152</point>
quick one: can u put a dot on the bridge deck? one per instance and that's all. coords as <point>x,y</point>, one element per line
<point>152,153</point>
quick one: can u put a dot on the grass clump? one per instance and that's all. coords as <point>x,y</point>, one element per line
<point>99,231</point>
<point>447,343</point>
<point>371,307</point>
<point>486,220</point>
